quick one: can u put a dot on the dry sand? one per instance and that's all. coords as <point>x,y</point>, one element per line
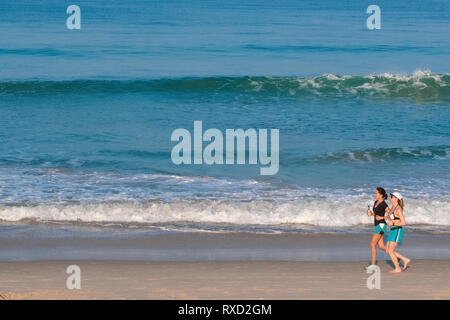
<point>425,279</point>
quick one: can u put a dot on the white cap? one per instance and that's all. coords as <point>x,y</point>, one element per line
<point>397,195</point>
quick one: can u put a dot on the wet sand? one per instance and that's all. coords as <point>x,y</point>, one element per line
<point>119,264</point>
<point>37,242</point>
<point>425,279</point>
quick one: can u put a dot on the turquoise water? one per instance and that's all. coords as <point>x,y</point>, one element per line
<point>86,115</point>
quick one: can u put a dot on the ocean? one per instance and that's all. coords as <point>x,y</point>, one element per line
<point>86,115</point>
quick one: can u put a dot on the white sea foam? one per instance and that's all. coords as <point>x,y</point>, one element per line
<point>344,212</point>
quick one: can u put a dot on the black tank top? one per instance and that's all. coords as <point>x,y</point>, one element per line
<point>379,211</point>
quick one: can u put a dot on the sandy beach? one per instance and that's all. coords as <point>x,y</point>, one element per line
<point>235,150</point>
<point>425,279</point>
<point>117,264</point>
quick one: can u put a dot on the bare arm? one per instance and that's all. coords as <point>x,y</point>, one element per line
<point>402,221</point>
<point>387,217</point>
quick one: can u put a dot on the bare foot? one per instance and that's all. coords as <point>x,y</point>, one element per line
<point>398,270</point>
<point>405,263</point>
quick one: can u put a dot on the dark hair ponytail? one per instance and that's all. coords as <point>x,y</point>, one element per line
<point>382,192</point>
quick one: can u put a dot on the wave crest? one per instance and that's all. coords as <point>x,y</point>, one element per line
<point>315,212</point>
<point>383,154</point>
<point>422,85</point>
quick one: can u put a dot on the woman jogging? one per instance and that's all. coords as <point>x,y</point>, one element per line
<point>378,211</point>
<point>396,222</point>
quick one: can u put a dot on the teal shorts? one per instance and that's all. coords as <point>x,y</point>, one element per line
<point>380,228</point>
<point>396,235</point>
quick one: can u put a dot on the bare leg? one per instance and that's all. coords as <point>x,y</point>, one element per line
<point>404,259</point>
<point>381,244</point>
<point>391,252</point>
<point>373,246</point>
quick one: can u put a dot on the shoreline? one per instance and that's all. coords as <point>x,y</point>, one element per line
<point>120,263</point>
<point>425,279</point>
<point>37,242</point>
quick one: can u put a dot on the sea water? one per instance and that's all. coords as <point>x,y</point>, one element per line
<point>86,115</point>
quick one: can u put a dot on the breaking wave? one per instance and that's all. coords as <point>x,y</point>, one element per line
<point>422,85</point>
<point>382,154</point>
<point>347,212</point>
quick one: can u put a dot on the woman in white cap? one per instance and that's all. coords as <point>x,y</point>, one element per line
<point>396,222</point>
